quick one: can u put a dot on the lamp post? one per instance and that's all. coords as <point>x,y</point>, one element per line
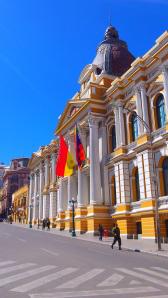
<point>154,177</point>
<point>73,201</point>
<point>30,221</point>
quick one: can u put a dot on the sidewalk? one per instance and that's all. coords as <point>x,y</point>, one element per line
<point>140,245</point>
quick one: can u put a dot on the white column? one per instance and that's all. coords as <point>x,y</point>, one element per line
<point>46,205</point>
<point>149,174</point>
<point>102,157</point>
<point>30,196</point>
<point>95,180</point>
<point>53,195</point>
<point>60,196</point>
<point>121,125</point>
<point>53,204</point>
<point>165,83</point>
<point>139,111</point>
<point>46,199</point>
<point>140,163</point>
<point>124,182</point>
<point>46,166</point>
<point>80,189</point>
<point>35,207</point>
<point>53,162</point>
<point>117,182</point>
<point>69,188</point>
<point>117,127</point>
<point>41,192</point>
<point>144,107</point>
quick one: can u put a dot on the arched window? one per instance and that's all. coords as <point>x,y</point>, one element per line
<point>165,175</point>
<point>113,138</point>
<point>160,111</point>
<point>137,185</point>
<point>113,190</point>
<point>134,126</point>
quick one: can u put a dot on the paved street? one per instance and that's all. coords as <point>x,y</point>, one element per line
<point>38,264</point>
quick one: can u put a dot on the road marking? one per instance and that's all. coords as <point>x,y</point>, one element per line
<point>23,275</point>
<point>160,269</point>
<point>43,280</point>
<point>143,276</point>
<point>135,282</point>
<point>152,273</point>
<point>50,252</point>
<point>17,267</point>
<point>6,263</point>
<point>21,239</point>
<point>162,296</point>
<point>92,293</point>
<point>75,282</point>
<point>111,281</point>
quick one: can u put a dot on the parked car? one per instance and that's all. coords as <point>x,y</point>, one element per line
<point>1,219</point>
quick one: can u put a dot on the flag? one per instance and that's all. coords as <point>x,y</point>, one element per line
<point>80,152</point>
<point>65,162</point>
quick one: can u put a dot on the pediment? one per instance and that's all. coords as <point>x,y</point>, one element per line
<point>154,88</point>
<point>34,160</point>
<point>71,109</point>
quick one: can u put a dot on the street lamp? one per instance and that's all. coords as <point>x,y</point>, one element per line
<point>154,178</point>
<point>30,221</point>
<point>73,201</point>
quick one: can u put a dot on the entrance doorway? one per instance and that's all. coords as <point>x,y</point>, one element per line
<point>138,228</point>
<point>166,226</point>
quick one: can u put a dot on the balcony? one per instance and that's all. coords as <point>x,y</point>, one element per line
<point>135,205</point>
<point>158,133</point>
<point>163,202</point>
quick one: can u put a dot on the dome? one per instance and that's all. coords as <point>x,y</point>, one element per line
<point>113,56</point>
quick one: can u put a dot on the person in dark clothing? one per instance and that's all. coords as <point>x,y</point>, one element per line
<point>44,224</point>
<point>116,233</point>
<point>48,223</point>
<point>101,230</point>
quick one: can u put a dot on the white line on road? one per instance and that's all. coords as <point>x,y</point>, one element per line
<point>134,282</point>
<point>143,276</point>
<point>17,267</point>
<point>6,263</point>
<point>21,239</point>
<point>75,282</point>
<point>111,281</point>
<point>152,272</point>
<point>91,293</point>
<point>160,269</point>
<point>160,296</point>
<point>50,252</point>
<point>43,280</point>
<point>23,275</point>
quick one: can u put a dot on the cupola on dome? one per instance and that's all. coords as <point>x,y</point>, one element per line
<point>113,56</point>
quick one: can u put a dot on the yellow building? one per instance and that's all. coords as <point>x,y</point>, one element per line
<point>20,205</point>
<point>122,116</point>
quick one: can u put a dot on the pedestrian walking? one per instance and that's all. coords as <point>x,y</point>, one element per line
<point>43,224</point>
<point>101,230</point>
<point>48,223</point>
<point>117,238</point>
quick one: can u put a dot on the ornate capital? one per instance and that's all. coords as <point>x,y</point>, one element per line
<point>93,121</point>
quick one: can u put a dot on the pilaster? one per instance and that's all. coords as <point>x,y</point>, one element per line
<point>95,178</point>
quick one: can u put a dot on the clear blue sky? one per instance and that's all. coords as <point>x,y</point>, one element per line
<point>44,45</point>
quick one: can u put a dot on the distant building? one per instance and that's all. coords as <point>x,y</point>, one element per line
<point>16,176</point>
<point>2,171</point>
<point>20,205</point>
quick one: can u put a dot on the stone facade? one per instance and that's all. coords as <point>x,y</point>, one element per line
<point>123,125</point>
<point>42,190</point>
